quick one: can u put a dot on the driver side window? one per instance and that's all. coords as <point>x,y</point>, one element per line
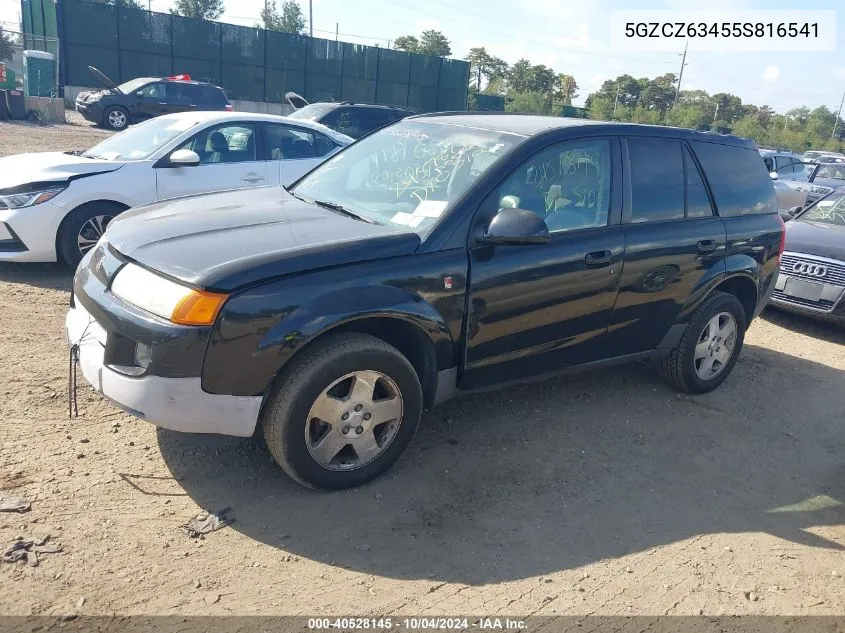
<point>567,184</point>
<point>153,91</point>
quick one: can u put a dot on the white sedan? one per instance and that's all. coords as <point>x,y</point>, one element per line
<point>56,205</point>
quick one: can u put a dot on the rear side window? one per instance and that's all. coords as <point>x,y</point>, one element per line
<point>657,180</point>
<point>737,178</point>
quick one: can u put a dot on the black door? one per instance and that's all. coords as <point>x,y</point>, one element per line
<point>150,101</point>
<point>537,308</point>
<point>674,243</point>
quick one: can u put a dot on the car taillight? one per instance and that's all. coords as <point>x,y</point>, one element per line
<point>782,244</point>
<point>228,107</point>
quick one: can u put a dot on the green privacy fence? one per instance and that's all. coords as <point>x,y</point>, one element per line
<point>250,64</point>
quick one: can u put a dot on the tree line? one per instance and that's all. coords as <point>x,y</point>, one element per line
<point>654,101</point>
<point>538,89</point>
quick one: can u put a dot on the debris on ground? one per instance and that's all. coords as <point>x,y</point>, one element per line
<point>28,551</point>
<point>205,523</point>
<point>14,504</point>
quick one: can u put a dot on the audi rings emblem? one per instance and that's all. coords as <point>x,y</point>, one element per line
<point>807,268</point>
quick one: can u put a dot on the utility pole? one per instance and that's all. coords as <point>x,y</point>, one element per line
<point>836,122</point>
<point>716,114</point>
<point>681,74</point>
<point>311,17</point>
<point>336,30</point>
<point>616,100</point>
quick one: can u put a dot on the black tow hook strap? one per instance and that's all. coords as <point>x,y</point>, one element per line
<point>73,363</point>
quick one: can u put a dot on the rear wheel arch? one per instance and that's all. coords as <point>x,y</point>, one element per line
<point>745,290</point>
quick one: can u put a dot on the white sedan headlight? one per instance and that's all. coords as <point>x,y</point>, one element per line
<point>28,199</point>
<point>165,298</point>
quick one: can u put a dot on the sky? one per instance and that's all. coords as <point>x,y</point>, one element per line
<point>572,36</point>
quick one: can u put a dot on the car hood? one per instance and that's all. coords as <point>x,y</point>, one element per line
<point>25,169</point>
<point>224,241</point>
<point>816,238</point>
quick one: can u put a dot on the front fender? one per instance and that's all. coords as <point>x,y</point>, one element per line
<point>259,330</point>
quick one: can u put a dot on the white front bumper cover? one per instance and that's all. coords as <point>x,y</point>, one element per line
<point>178,404</point>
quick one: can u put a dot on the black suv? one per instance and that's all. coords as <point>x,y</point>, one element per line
<point>119,105</point>
<point>444,253</point>
<point>353,119</point>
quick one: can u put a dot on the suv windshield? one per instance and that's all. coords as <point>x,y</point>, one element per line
<point>833,171</point>
<point>141,141</point>
<point>312,112</point>
<point>830,210</point>
<point>407,174</point>
<point>132,85</point>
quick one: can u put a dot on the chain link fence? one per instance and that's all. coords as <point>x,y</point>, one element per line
<point>29,63</point>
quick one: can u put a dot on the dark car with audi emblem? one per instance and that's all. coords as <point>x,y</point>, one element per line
<point>812,268</point>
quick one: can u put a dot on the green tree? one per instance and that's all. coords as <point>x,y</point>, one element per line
<point>730,106</point>
<point>519,76</point>
<point>434,43</point>
<point>599,108</point>
<point>200,9</point>
<point>290,20</point>
<point>565,90</point>
<point>528,103</point>
<point>485,66</point>
<point>407,43</point>
<point>7,45</point>
<point>657,94</point>
<point>821,121</point>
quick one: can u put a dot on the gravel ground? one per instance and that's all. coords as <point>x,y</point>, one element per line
<point>600,493</point>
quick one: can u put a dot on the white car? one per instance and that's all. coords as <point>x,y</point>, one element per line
<point>56,205</point>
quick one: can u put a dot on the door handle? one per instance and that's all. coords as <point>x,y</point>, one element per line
<point>597,259</point>
<point>252,178</point>
<point>706,246</point>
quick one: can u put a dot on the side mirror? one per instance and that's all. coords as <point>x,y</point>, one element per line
<point>794,211</point>
<point>773,175</point>
<point>513,226</point>
<point>184,158</point>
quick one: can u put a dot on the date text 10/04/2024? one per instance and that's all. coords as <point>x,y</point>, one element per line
<point>419,624</point>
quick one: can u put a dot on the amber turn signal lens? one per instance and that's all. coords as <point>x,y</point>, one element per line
<point>198,308</point>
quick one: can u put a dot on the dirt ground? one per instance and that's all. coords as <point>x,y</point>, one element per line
<point>600,493</point>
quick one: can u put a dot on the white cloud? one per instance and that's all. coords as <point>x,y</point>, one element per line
<point>837,72</point>
<point>771,73</point>
<point>427,24</point>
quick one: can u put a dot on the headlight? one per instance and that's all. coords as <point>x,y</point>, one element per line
<point>167,299</point>
<point>820,190</point>
<point>29,199</point>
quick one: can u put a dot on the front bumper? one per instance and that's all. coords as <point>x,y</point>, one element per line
<point>91,111</point>
<point>168,392</point>
<point>829,305</point>
<point>29,234</point>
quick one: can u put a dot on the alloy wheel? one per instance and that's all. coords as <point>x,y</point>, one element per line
<point>354,420</point>
<point>715,346</point>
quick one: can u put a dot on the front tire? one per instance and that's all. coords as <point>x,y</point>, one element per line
<point>343,412</point>
<point>710,346</point>
<point>81,230</point>
<point>116,118</point>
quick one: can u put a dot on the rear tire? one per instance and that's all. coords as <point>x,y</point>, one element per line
<point>116,118</point>
<point>701,361</point>
<point>312,421</point>
<point>81,229</point>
